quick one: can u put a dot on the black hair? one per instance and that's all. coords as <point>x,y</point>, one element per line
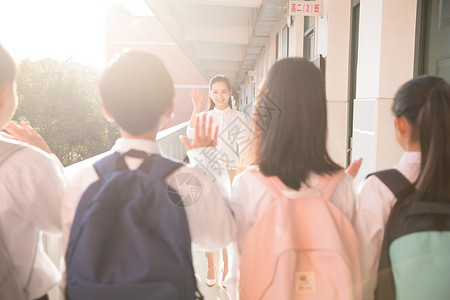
<point>136,89</point>
<point>219,78</point>
<point>290,123</point>
<point>425,103</point>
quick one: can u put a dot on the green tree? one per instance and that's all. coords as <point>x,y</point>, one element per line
<point>61,101</point>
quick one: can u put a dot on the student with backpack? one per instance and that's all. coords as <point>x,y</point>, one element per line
<point>132,213</point>
<point>403,213</point>
<point>31,189</point>
<point>294,205</point>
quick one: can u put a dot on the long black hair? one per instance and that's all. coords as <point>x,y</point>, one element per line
<point>290,123</point>
<point>425,103</point>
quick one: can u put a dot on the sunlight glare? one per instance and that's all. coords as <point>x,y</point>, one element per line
<point>59,29</point>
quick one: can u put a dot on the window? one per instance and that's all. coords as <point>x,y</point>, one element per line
<point>282,43</point>
<point>277,45</point>
<point>309,39</point>
<point>285,42</point>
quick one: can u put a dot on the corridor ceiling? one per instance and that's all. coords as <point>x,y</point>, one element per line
<point>221,36</point>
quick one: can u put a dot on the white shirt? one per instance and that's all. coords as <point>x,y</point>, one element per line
<point>375,201</point>
<point>31,189</point>
<point>233,134</point>
<point>211,222</point>
<point>250,200</point>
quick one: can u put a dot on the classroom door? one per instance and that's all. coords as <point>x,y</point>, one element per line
<point>352,79</point>
<point>437,39</point>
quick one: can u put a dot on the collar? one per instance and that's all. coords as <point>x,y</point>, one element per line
<point>124,144</point>
<point>410,157</point>
<point>222,111</point>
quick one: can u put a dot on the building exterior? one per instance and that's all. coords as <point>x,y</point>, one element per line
<point>366,49</point>
<point>127,31</point>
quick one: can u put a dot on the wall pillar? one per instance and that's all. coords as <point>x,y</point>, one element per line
<point>337,13</point>
<point>385,61</point>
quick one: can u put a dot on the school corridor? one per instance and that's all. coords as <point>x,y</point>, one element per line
<point>365,49</point>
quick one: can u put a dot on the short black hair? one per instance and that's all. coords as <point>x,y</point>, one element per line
<point>136,89</point>
<point>8,68</point>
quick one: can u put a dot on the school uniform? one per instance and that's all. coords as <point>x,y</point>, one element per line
<point>250,199</point>
<point>374,205</point>
<point>231,142</point>
<point>233,135</point>
<point>211,223</point>
<point>31,188</point>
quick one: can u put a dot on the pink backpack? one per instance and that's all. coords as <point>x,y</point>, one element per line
<point>301,248</point>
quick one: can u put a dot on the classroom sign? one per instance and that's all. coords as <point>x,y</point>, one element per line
<point>305,8</point>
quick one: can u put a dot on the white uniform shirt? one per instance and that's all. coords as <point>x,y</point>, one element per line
<point>211,223</point>
<point>375,202</point>
<point>250,199</point>
<point>233,134</point>
<point>31,189</point>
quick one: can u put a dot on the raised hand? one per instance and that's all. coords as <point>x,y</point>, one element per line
<point>205,133</point>
<point>25,133</point>
<point>197,99</point>
<point>353,169</point>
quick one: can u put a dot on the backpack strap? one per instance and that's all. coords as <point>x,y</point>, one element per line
<point>401,188</point>
<point>328,184</point>
<point>399,185</point>
<point>429,208</point>
<point>272,183</point>
<point>109,164</point>
<point>162,167</point>
<point>153,164</point>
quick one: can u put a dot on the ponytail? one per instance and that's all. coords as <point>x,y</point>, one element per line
<point>433,124</point>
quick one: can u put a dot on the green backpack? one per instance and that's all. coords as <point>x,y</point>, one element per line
<point>415,256</point>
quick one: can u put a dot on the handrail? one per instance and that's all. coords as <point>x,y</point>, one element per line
<point>169,142</point>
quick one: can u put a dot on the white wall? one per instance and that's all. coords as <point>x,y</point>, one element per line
<point>333,42</point>
<point>299,24</point>
<point>386,60</point>
<point>336,27</point>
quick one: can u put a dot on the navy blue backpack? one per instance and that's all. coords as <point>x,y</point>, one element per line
<point>130,237</point>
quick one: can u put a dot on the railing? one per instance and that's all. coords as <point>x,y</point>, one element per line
<point>169,142</point>
<point>170,145</point>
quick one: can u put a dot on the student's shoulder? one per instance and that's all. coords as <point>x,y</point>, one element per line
<point>247,177</point>
<point>190,169</point>
<point>24,155</point>
<point>344,188</point>
<point>237,113</point>
<point>346,181</point>
<point>80,169</point>
<point>373,188</point>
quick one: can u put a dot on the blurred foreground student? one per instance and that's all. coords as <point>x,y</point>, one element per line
<point>404,213</point>
<point>132,213</point>
<point>31,190</point>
